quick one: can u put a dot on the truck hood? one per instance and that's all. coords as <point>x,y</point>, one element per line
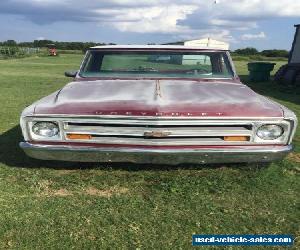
<point>158,98</point>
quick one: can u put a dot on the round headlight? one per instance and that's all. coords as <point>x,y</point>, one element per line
<point>45,129</point>
<point>269,132</point>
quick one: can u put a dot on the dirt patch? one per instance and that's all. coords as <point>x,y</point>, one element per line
<point>62,192</point>
<point>294,157</point>
<point>89,191</point>
<point>56,193</point>
<point>66,172</point>
<point>44,185</point>
<point>106,192</point>
<point>45,189</point>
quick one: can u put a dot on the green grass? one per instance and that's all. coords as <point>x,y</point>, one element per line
<point>258,58</point>
<point>55,205</point>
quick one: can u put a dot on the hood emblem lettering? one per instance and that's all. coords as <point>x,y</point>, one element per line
<point>157,134</point>
<point>157,89</point>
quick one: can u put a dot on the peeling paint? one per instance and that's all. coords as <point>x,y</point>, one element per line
<point>158,98</point>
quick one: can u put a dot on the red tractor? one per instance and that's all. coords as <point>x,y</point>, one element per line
<point>52,50</point>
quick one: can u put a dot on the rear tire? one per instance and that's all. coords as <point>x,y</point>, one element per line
<point>280,73</point>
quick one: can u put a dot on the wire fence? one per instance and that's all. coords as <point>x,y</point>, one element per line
<point>17,52</point>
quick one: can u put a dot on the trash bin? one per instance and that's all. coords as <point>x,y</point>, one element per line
<point>260,71</point>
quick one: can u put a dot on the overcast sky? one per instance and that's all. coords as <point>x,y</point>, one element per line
<point>264,24</point>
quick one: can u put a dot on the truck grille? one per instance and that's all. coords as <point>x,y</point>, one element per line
<point>154,133</point>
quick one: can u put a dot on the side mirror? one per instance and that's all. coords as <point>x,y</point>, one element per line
<point>71,73</point>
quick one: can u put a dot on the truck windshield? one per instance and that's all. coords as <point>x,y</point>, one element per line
<point>156,64</point>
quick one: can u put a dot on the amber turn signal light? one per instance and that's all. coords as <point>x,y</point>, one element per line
<point>236,138</point>
<point>79,137</point>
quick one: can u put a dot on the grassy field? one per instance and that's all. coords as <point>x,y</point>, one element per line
<point>53,205</point>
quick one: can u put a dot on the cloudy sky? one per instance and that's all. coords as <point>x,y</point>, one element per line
<point>264,24</point>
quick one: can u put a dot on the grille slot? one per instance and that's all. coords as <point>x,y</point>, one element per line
<point>92,124</point>
<point>158,134</point>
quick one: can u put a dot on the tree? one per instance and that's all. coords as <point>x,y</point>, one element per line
<point>247,51</point>
<point>275,53</point>
<point>10,43</point>
<point>41,43</point>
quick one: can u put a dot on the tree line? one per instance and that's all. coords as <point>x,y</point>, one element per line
<point>59,45</point>
<point>267,53</point>
<point>83,46</point>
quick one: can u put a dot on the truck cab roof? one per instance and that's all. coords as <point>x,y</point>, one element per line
<point>155,47</point>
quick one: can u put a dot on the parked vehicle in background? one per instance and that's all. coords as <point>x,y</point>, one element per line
<point>7,52</point>
<point>52,50</point>
<point>157,104</point>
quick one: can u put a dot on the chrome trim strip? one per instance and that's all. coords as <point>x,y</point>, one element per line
<point>160,156</point>
<point>156,118</point>
<point>81,65</point>
<point>163,142</point>
<point>155,121</point>
<point>235,75</point>
<point>292,118</point>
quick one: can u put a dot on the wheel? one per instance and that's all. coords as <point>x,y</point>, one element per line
<point>289,77</point>
<point>280,73</point>
<point>297,80</point>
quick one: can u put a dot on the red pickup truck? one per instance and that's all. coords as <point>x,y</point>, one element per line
<point>157,104</point>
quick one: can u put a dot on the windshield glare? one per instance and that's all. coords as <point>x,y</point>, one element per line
<point>152,64</point>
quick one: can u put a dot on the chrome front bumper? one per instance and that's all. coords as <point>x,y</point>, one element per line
<point>155,156</point>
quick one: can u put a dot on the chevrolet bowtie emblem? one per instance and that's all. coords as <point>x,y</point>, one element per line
<point>156,134</point>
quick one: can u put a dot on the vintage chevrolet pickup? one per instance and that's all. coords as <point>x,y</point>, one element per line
<point>157,104</point>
